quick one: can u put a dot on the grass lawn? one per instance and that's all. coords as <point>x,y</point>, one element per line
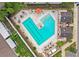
<point>58,54</point>
<point>21,48</point>
<point>72,48</point>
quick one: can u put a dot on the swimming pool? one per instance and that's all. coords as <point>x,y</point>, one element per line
<point>43,34</point>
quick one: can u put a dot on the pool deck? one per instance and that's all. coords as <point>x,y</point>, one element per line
<point>35,16</point>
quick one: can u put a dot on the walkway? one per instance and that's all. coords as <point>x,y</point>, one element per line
<point>76,14</point>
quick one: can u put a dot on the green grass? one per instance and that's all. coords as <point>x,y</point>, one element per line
<point>72,48</point>
<point>58,54</point>
<point>21,48</point>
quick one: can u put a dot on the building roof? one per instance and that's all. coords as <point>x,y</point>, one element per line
<point>5,50</point>
<point>3,31</point>
<point>11,43</point>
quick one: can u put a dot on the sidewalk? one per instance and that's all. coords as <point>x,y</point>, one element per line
<point>76,24</point>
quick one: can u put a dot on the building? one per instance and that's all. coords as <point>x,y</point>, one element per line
<point>4,31</point>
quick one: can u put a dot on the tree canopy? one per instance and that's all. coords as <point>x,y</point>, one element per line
<point>10,8</point>
<point>60,43</point>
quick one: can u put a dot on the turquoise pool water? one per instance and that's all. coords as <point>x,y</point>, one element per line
<point>41,35</point>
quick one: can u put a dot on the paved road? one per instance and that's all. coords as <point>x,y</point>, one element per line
<point>5,50</point>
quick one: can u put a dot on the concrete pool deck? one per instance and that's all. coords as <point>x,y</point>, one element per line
<point>35,16</point>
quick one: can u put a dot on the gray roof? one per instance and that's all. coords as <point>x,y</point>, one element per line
<point>4,31</point>
<point>66,17</point>
<point>67,32</point>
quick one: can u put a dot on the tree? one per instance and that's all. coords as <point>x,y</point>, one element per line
<point>1,18</point>
<point>3,13</point>
<point>10,10</point>
<point>9,5</point>
<point>72,49</point>
<point>17,27</point>
<point>19,6</point>
<point>14,6</point>
<point>60,43</point>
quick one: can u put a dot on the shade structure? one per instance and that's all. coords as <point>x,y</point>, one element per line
<point>38,10</point>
